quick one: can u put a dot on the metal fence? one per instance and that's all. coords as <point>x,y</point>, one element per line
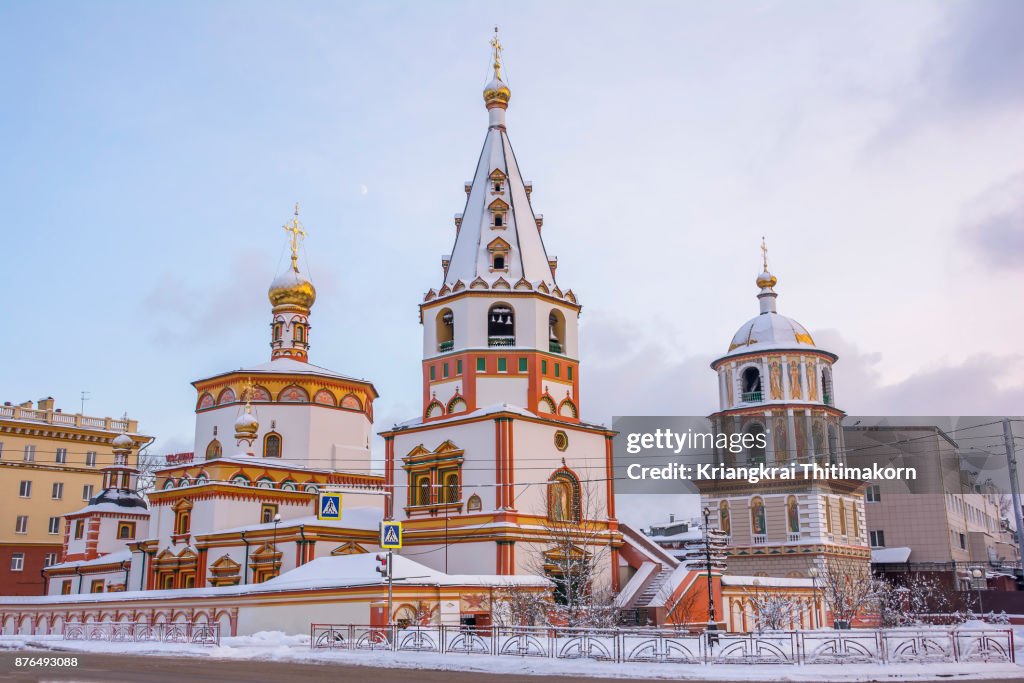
<point>658,645</point>
<point>124,631</point>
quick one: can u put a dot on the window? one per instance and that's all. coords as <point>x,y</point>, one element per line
<point>451,487</point>
<point>499,262</point>
<point>62,456</point>
<point>561,440</point>
<point>87,492</point>
<point>498,186</point>
<point>501,326</point>
<point>444,370</point>
<point>267,513</point>
<point>873,494</point>
<point>29,454</point>
<point>458,367</point>
<point>49,559</point>
<point>58,491</point>
<point>558,369</point>
<point>25,489</point>
<point>17,562</point>
<point>79,529</point>
<point>65,587</point>
<point>182,517</point>
<point>96,586</point>
<point>423,491</point>
<point>433,373</point>
<point>568,372</point>
<point>502,365</point>
<point>213,450</point>
<point>963,541</point>
<point>499,222</point>
<point>524,365</point>
<point>90,459</point>
<point>481,364</point>
<point>877,538</point>
<point>21,524</point>
<point>751,385</point>
<point>125,531</point>
<point>842,517</point>
<point>272,445</point>
<point>54,527</point>
<point>277,331</point>
<point>563,497</point>
<point>300,334</point>
<point>543,367</point>
<point>756,452</point>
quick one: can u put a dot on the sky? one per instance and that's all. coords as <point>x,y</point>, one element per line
<point>152,152</point>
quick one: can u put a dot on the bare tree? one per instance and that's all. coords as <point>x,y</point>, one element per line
<point>683,611</point>
<point>575,549</point>
<point>773,610</point>
<point>849,589</point>
<point>513,606</point>
<point>917,599</point>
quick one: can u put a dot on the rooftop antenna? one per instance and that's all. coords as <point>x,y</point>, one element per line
<point>85,397</point>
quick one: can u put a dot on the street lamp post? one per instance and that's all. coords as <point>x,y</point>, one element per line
<point>813,573</point>
<point>977,575</point>
<point>712,623</point>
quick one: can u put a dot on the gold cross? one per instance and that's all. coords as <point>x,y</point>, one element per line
<point>496,44</point>
<point>297,233</point>
<point>764,253</point>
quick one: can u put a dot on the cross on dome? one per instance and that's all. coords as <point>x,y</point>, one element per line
<point>297,233</point>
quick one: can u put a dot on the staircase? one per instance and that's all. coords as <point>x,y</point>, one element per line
<point>653,586</point>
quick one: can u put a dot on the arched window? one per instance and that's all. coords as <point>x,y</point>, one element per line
<point>828,515</point>
<point>842,517</point>
<point>456,405</point>
<point>474,504</point>
<point>564,497</point>
<point>214,450</point>
<point>423,491</point>
<point>182,516</point>
<point>435,409</point>
<point>277,331</point>
<point>272,445</point>
<point>545,405</point>
<point>856,521</point>
<point>240,480</point>
<point>300,333</point>
<point>451,487</point>
<point>567,408</point>
<point>724,520</point>
<point>556,332</point>
<point>445,329</point>
<point>826,386</point>
<point>751,385</point>
<point>501,326</point>
<point>758,523</point>
<point>793,515</point>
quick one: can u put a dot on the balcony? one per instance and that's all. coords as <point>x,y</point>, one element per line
<point>446,346</point>
<point>793,536</point>
<point>751,397</point>
<point>501,340</point>
<point>555,346</point>
<point>827,397</point>
<point>56,417</point>
<point>759,539</point>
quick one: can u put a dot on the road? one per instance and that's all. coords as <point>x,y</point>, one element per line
<point>104,668</point>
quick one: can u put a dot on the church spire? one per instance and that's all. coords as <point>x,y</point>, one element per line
<point>292,295</point>
<point>766,281</point>
<point>498,242</point>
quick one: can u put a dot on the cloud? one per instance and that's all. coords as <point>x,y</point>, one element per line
<point>183,311</point>
<point>993,227</point>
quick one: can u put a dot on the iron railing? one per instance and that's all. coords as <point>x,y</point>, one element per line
<point>121,631</point>
<point>821,646</point>
<point>751,397</point>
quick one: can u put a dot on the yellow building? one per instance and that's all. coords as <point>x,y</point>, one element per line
<point>50,465</point>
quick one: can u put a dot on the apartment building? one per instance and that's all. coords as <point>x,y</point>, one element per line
<point>50,465</point>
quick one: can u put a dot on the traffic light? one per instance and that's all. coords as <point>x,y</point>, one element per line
<point>382,565</point>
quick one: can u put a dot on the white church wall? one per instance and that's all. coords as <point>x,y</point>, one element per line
<point>492,391</point>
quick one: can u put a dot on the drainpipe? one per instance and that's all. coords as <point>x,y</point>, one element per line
<point>142,574</point>
<point>78,570</point>
<point>42,573</point>
<point>245,565</point>
<point>302,534</point>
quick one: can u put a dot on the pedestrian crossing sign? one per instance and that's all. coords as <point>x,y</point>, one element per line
<point>329,507</point>
<point>391,535</point>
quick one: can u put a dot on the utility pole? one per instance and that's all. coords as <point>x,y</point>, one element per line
<point>1011,461</point>
<point>85,397</point>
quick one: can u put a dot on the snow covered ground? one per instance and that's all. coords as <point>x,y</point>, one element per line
<point>280,647</point>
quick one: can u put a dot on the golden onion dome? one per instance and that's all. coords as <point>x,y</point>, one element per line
<point>246,424</point>
<point>292,289</point>
<point>122,443</point>
<point>497,93</point>
<point>766,280</point>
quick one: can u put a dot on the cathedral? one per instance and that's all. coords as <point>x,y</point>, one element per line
<point>497,481</point>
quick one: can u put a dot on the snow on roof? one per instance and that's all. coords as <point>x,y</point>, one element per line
<point>767,581</point>
<point>123,555</point>
<point>290,366</point>
<point>363,518</point>
<point>896,555</point>
<point>245,459</point>
<point>109,507</point>
<point>324,573</point>
<point>486,410</point>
